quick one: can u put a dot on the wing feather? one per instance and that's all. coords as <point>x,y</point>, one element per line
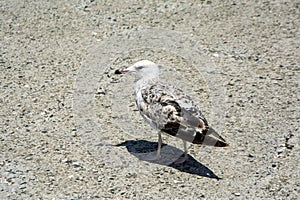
<point>170,110</point>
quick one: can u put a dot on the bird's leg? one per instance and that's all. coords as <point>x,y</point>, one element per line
<point>185,157</point>
<point>159,145</point>
<point>157,157</point>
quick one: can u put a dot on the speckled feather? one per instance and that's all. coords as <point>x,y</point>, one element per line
<point>170,110</point>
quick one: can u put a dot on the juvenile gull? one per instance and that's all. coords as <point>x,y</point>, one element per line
<point>169,110</point>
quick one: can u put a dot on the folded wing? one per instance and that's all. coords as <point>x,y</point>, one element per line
<point>171,111</point>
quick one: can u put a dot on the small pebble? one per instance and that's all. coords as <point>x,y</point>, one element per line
<point>281,150</point>
<point>76,164</point>
<point>237,194</point>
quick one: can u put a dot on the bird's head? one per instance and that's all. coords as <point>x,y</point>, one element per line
<point>143,69</point>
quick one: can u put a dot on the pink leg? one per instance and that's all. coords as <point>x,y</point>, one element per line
<point>185,157</point>
<point>157,157</point>
<point>159,145</point>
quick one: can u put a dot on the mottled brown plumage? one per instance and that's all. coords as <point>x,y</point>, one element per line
<point>169,109</point>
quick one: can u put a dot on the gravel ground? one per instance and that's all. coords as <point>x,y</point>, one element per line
<point>64,134</point>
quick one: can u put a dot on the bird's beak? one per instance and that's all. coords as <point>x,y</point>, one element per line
<point>125,70</point>
<point>121,71</point>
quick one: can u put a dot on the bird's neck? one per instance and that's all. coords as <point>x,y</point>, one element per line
<point>142,82</point>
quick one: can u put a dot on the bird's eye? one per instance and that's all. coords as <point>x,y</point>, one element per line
<point>140,67</point>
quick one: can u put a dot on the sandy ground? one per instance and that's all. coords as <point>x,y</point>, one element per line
<point>69,126</point>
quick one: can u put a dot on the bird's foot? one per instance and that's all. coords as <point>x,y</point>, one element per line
<point>181,159</point>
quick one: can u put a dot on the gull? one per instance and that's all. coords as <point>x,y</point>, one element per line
<point>169,110</point>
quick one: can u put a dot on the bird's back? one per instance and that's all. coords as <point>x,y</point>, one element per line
<point>170,110</point>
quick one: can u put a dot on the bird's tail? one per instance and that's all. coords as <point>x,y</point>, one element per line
<point>211,138</point>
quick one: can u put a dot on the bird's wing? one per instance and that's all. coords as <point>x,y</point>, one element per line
<point>170,110</point>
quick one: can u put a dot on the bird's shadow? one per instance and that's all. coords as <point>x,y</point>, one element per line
<point>142,149</point>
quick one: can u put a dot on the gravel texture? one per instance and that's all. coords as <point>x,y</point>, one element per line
<point>64,134</point>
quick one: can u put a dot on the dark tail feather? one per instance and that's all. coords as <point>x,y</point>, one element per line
<point>221,144</point>
<point>211,138</point>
